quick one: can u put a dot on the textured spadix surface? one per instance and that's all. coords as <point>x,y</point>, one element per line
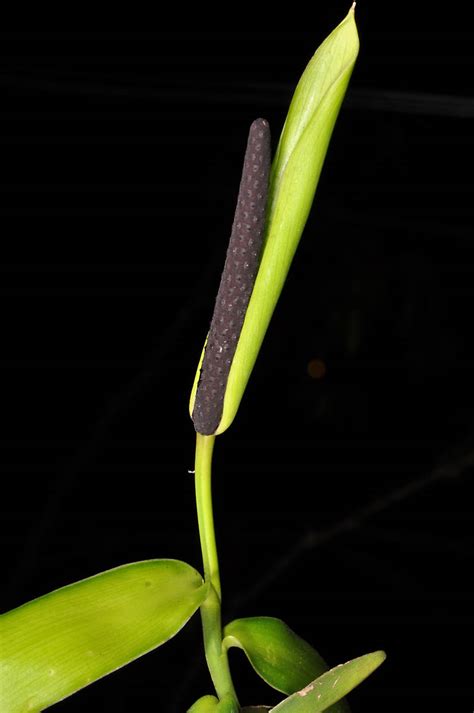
<point>61,642</point>
<point>238,277</point>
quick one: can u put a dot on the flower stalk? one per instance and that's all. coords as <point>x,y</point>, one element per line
<point>216,654</point>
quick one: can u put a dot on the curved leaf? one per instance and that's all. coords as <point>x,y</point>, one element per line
<point>61,642</point>
<point>331,686</point>
<point>282,658</point>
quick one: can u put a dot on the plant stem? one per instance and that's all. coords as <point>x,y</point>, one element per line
<point>217,660</point>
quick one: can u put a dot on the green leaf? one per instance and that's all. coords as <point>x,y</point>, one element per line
<point>331,686</point>
<point>295,173</point>
<point>206,704</point>
<point>61,642</point>
<point>282,658</point>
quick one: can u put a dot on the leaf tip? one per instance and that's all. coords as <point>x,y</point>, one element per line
<point>376,659</point>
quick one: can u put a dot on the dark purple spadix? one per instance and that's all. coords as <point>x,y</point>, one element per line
<point>238,277</point>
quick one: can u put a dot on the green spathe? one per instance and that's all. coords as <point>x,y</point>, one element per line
<point>295,173</point>
<point>61,642</point>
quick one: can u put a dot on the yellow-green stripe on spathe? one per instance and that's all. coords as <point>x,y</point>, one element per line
<point>295,173</point>
<point>192,398</point>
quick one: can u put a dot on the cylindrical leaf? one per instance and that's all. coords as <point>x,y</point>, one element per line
<point>61,642</point>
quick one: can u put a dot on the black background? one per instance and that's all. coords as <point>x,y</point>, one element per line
<point>343,503</point>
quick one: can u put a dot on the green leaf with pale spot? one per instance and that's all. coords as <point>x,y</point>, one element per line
<point>319,695</point>
<point>282,658</point>
<point>61,642</point>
